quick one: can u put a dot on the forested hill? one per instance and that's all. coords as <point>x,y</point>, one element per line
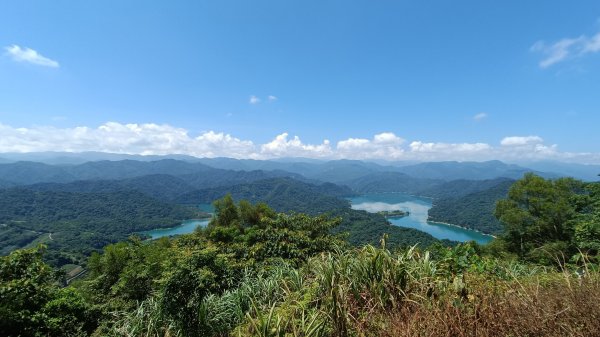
<point>285,195</point>
<point>74,224</point>
<point>462,187</point>
<point>452,170</point>
<point>160,186</point>
<point>196,174</point>
<point>474,210</point>
<point>6,184</point>
<point>382,182</point>
<point>256,272</point>
<point>282,194</point>
<point>83,216</point>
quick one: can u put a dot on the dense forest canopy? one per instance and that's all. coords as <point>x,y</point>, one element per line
<point>79,217</point>
<point>73,225</point>
<point>291,257</point>
<point>551,221</point>
<point>472,210</point>
<point>256,272</point>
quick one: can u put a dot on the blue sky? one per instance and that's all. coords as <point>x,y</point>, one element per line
<point>447,79</point>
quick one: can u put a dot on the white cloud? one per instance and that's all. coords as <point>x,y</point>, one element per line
<point>566,48</point>
<point>282,147</point>
<point>529,147</point>
<point>383,145</point>
<point>520,141</point>
<point>114,137</point>
<point>480,116</point>
<point>449,151</point>
<point>160,139</point>
<point>272,98</point>
<point>254,100</point>
<point>28,55</point>
<point>419,146</point>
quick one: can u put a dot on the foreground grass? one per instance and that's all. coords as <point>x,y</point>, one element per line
<point>373,292</point>
<point>555,307</point>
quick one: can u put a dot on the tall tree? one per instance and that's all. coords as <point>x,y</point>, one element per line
<point>538,217</point>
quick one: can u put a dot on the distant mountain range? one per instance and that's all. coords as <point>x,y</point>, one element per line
<point>464,193</point>
<point>65,167</point>
<point>196,174</point>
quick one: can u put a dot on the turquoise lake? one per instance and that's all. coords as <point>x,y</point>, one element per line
<point>186,226</point>
<point>418,207</point>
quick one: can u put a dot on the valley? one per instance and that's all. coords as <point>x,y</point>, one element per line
<point>418,218</point>
<point>307,187</point>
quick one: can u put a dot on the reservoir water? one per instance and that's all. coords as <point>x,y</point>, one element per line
<point>418,207</point>
<point>186,226</point>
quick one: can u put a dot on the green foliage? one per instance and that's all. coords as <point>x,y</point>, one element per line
<point>74,225</point>
<point>587,227</point>
<point>363,228</point>
<point>288,195</point>
<point>549,221</point>
<point>31,302</point>
<point>346,293</point>
<point>180,276</point>
<point>382,182</point>
<point>189,281</point>
<point>282,194</point>
<point>473,210</point>
<point>227,213</point>
<point>129,271</point>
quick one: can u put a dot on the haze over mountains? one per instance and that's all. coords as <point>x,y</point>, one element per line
<point>463,193</point>
<point>334,171</point>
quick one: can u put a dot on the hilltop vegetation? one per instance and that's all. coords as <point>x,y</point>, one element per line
<point>75,224</point>
<point>383,182</point>
<point>551,221</point>
<point>108,211</point>
<point>462,187</point>
<point>289,195</point>
<point>283,194</point>
<point>473,210</point>
<point>256,272</point>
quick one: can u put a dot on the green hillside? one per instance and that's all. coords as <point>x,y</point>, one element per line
<point>474,210</point>
<point>256,272</point>
<point>75,224</point>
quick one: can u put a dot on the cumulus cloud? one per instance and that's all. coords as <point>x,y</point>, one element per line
<point>272,98</point>
<point>145,139</point>
<point>161,139</point>
<point>529,147</point>
<point>480,116</point>
<point>520,141</point>
<point>419,146</point>
<point>566,48</point>
<point>282,147</point>
<point>448,151</point>
<point>254,100</point>
<point>383,145</point>
<point>28,55</point>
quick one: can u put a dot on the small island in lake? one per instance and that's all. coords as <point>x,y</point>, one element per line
<point>394,214</point>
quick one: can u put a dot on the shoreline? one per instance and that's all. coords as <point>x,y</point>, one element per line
<point>467,228</point>
<point>404,193</point>
<point>428,217</point>
<point>182,223</point>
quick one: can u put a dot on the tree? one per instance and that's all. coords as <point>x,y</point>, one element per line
<point>31,302</point>
<point>226,213</point>
<point>587,230</point>
<point>539,217</point>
